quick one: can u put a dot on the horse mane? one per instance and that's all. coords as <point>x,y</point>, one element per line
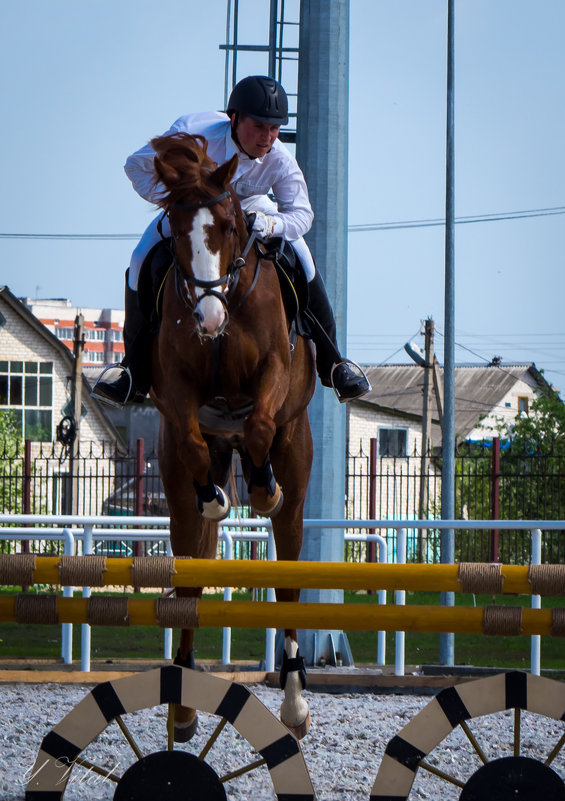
<point>183,167</point>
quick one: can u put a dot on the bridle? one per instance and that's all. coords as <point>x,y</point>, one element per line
<point>231,277</point>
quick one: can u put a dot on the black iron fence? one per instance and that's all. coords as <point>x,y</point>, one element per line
<point>492,482</point>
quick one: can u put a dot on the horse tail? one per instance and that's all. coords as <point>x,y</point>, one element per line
<point>234,494</point>
<point>209,539</point>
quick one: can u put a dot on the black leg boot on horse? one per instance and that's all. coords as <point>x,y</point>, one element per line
<point>345,377</point>
<point>129,381</point>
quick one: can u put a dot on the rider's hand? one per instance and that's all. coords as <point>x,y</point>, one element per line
<point>266,225</point>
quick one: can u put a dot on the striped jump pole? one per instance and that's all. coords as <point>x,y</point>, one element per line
<point>195,613</point>
<point>164,571</point>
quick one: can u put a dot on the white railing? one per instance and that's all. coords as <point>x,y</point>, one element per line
<point>90,529</point>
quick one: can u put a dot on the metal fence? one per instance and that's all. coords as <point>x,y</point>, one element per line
<point>492,482</point>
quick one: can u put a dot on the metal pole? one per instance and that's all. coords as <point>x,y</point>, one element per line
<point>426,431</point>
<point>495,510</point>
<point>372,546</point>
<point>447,542</point>
<point>76,402</point>
<point>227,61</point>
<point>139,497</point>
<point>273,38</point>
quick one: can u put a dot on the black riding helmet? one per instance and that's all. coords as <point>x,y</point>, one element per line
<point>260,98</point>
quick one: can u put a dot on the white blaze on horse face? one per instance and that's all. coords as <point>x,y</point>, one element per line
<point>210,311</point>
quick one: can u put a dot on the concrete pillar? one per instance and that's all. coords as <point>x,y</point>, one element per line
<point>321,149</point>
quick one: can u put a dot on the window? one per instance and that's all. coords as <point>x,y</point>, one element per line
<point>523,405</point>
<point>65,333</point>
<point>392,441</point>
<point>94,334</point>
<point>27,389</point>
<point>93,356</point>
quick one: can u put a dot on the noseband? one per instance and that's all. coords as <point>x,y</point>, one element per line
<point>230,278</point>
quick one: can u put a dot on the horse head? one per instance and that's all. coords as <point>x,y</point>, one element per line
<point>206,223</point>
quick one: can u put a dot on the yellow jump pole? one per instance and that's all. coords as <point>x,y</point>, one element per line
<point>254,614</point>
<point>303,575</point>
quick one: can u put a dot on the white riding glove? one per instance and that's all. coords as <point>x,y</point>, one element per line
<point>267,226</point>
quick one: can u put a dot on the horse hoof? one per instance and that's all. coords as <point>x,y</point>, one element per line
<point>302,729</point>
<point>273,507</point>
<point>218,509</point>
<point>183,732</point>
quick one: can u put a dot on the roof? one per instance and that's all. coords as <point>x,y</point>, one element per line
<point>30,319</point>
<point>398,389</point>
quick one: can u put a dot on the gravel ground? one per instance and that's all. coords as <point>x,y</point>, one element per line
<point>342,751</point>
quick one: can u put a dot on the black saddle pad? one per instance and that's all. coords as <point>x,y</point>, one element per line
<point>294,288</point>
<point>152,276</point>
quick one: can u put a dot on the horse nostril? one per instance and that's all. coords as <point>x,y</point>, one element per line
<point>198,316</point>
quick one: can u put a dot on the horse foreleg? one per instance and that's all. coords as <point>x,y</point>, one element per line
<point>265,494</point>
<point>185,718</point>
<point>190,536</point>
<point>292,460</point>
<point>294,712</point>
<point>193,454</point>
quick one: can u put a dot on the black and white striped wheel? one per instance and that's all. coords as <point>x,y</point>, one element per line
<point>166,774</point>
<point>512,778</point>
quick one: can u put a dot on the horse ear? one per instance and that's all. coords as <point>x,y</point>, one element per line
<point>165,172</point>
<point>225,172</point>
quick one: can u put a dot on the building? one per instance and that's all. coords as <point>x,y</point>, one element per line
<point>485,397</point>
<point>103,345</point>
<point>385,430</point>
<point>103,329</point>
<point>35,390</point>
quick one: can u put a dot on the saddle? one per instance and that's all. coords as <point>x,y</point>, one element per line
<point>292,281</point>
<point>154,270</point>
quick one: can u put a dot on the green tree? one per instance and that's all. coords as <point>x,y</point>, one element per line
<point>532,483</point>
<point>11,466</point>
<point>542,430</point>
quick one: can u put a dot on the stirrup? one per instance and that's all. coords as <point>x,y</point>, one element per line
<point>360,372</point>
<point>104,398</point>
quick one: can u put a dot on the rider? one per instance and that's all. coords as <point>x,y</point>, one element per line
<point>257,108</point>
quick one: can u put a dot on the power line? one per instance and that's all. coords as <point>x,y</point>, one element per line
<point>71,236</point>
<point>384,226</point>
<point>510,215</point>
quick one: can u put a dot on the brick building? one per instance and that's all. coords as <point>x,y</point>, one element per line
<point>35,390</point>
<point>103,328</point>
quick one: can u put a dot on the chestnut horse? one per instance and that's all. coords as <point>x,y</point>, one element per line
<point>223,352</point>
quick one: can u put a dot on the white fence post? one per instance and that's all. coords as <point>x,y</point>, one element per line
<point>400,598</point>
<point>535,642</point>
<point>226,632</point>
<point>270,634</point>
<point>87,548</point>
<point>67,628</point>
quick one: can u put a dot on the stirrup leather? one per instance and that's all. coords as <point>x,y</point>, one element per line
<point>358,369</point>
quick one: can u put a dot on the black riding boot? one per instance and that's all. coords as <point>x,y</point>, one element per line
<point>334,371</point>
<point>129,381</point>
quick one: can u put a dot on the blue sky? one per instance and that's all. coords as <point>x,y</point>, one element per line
<point>86,82</point>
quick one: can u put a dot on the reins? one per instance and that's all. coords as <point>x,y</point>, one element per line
<point>230,278</point>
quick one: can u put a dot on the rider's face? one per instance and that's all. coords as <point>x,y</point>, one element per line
<point>256,138</point>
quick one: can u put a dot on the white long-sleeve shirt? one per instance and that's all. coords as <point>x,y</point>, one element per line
<point>277,171</point>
